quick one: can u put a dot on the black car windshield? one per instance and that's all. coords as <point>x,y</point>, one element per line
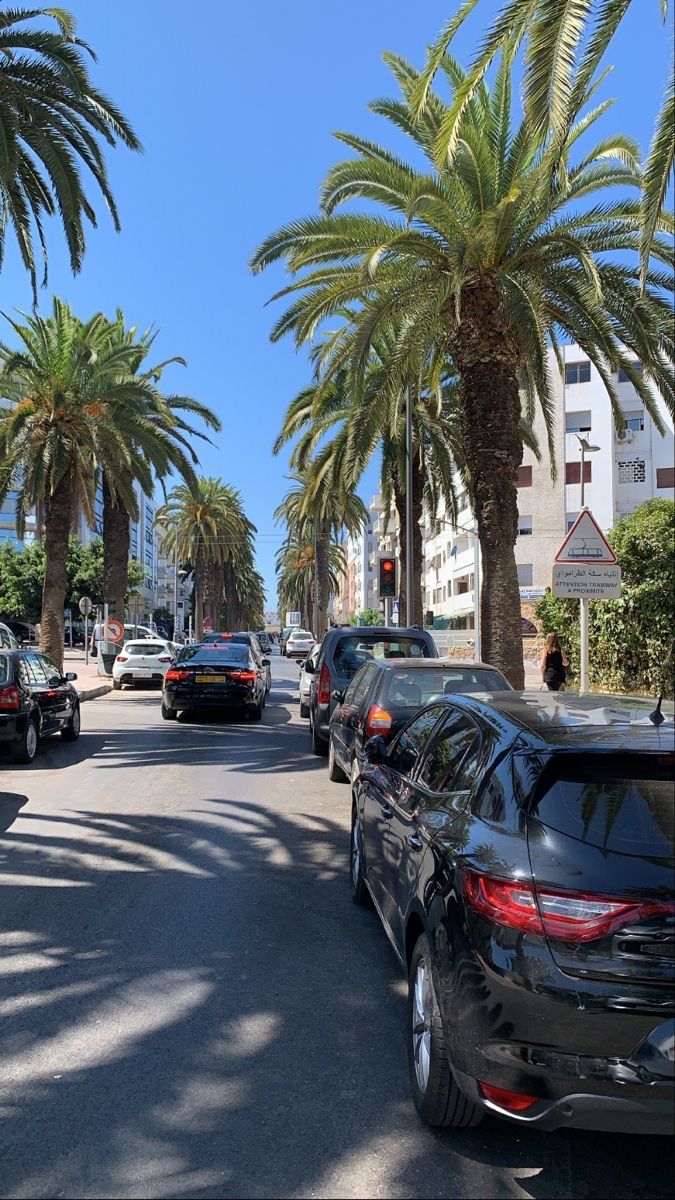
<point>223,652</point>
<point>622,806</point>
<point>411,688</point>
<point>352,652</point>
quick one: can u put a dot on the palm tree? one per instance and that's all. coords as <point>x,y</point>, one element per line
<point>316,509</point>
<point>564,46</point>
<point>53,121</point>
<point>494,259</point>
<point>296,572</point>
<point>158,440</point>
<point>203,524</point>
<point>65,386</point>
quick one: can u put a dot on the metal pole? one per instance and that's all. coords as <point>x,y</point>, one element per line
<point>86,640</point>
<point>476,597</point>
<point>410,607</point>
<point>175,589</point>
<point>318,633</point>
<point>583,608</point>
<point>583,489</point>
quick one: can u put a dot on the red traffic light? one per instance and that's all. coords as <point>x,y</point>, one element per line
<point>387,578</point>
<point>387,564</point>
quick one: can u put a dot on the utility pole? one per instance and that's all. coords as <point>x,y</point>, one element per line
<point>584,601</point>
<point>410,609</point>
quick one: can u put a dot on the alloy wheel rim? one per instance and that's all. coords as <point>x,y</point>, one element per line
<point>356,852</point>
<point>421,1025</point>
<point>31,739</point>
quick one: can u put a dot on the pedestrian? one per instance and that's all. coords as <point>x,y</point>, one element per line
<point>554,663</point>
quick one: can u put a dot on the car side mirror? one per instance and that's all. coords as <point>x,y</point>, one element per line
<point>375,750</point>
<point>71,676</point>
<point>308,666</point>
<point>337,696</point>
<point>266,662</point>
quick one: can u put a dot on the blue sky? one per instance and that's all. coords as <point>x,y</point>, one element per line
<point>235,105</point>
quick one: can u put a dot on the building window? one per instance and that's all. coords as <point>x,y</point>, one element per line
<point>524,477</point>
<point>578,372</point>
<point>571,519</point>
<point>631,470</point>
<point>578,422</point>
<point>524,526</point>
<point>635,421</point>
<point>623,377</point>
<point>525,574</point>
<point>665,477</point>
<point>573,472</point>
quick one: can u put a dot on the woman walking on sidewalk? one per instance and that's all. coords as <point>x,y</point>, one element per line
<point>554,663</point>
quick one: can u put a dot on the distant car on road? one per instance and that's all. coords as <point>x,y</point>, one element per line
<point>343,652</point>
<point>299,643</point>
<point>307,672</point>
<point>24,633</point>
<point>383,695</point>
<point>224,674</point>
<point>36,700</point>
<point>143,661</point>
<point>519,852</point>
<point>265,641</point>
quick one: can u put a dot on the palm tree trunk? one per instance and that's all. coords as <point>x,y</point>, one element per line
<point>116,550</point>
<point>58,516</point>
<point>487,359</point>
<point>230,615</point>
<point>198,581</point>
<point>323,580</point>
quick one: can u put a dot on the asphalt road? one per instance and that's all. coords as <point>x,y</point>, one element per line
<point>191,1006</point>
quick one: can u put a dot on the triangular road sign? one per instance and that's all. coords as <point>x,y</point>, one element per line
<point>586,542</point>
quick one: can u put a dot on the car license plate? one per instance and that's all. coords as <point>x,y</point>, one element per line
<point>142,674</point>
<point>211,679</point>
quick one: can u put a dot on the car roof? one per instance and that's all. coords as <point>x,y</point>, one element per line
<point>565,720</point>
<point>432,664</point>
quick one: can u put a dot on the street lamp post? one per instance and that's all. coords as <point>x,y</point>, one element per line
<point>410,610</point>
<point>584,602</point>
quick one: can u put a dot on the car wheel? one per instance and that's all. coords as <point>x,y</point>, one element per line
<point>71,732</point>
<point>437,1098</point>
<point>304,709</point>
<point>335,772</point>
<point>357,879</point>
<point>117,686</point>
<point>319,747</point>
<point>169,714</point>
<point>255,713</point>
<point>26,750</point>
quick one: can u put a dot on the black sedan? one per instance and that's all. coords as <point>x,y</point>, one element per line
<point>383,695</point>
<point>36,700</point>
<point>519,851</point>
<point>225,674</point>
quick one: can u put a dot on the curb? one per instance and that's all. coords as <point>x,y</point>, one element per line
<point>93,693</point>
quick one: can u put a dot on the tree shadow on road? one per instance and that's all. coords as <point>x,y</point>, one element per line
<point>193,1007</point>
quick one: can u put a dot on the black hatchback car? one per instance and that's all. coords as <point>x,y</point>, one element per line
<point>519,851</point>
<point>35,700</point>
<point>384,694</point>
<point>343,652</point>
<point>224,674</point>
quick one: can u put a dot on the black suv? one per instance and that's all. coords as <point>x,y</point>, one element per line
<point>519,852</point>
<point>383,696</point>
<point>343,652</point>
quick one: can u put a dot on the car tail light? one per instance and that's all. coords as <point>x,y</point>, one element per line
<point>323,691</point>
<point>176,676</point>
<point>10,700</point>
<point>378,721</point>
<point>513,1102</point>
<point>243,676</point>
<point>122,658</point>
<point>562,916</point>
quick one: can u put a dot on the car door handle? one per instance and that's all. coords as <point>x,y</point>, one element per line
<point>415,842</point>
<point>386,810</point>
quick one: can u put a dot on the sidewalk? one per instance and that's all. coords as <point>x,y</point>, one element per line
<point>89,683</point>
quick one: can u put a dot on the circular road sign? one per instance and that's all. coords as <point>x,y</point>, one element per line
<point>114,631</point>
<point>85,606</point>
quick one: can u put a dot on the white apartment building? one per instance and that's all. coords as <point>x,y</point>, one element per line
<point>623,472</point>
<point>362,555</point>
<point>143,544</point>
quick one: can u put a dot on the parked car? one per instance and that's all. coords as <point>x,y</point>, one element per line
<point>35,700</point>
<point>225,674</point>
<point>299,643</point>
<point>284,636</point>
<point>519,852</point>
<point>383,695</point>
<point>130,631</point>
<point>8,639</point>
<point>23,632</point>
<point>248,639</point>
<point>265,641</point>
<point>143,661</point>
<point>343,652</point>
<point>307,672</point>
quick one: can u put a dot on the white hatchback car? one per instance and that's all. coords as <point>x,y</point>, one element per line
<point>145,660</point>
<point>299,643</point>
<point>307,673</point>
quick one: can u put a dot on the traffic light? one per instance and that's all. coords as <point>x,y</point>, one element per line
<point>387,579</point>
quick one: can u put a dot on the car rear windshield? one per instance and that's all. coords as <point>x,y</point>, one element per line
<point>223,652</point>
<point>412,688</point>
<point>134,648</point>
<point>626,806</point>
<point>352,652</point>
